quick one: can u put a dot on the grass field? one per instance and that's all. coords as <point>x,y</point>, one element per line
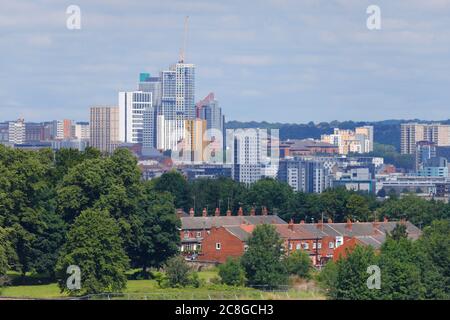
<point>149,290</point>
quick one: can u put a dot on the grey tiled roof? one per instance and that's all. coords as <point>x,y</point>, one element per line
<point>238,232</point>
<point>223,221</point>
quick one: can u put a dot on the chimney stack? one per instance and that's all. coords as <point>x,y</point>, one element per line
<point>217,213</point>
<point>204,213</point>
<point>385,219</point>
<point>330,220</point>
<point>228,213</point>
<point>179,213</point>
<point>240,212</point>
<point>320,225</point>
<point>264,211</point>
<point>191,212</point>
<point>291,225</point>
<point>302,221</point>
<point>252,211</point>
<point>348,225</point>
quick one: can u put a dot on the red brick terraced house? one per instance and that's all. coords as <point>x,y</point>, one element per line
<point>215,238</point>
<point>195,229</point>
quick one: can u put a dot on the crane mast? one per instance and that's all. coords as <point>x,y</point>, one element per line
<point>183,49</point>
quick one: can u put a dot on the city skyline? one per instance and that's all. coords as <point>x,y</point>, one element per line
<point>319,64</point>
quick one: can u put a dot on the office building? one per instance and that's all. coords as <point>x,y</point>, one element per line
<point>104,128</point>
<point>132,106</point>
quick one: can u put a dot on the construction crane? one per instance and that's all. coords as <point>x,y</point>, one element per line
<point>183,49</point>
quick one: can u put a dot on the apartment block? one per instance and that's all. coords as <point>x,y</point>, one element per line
<point>104,128</point>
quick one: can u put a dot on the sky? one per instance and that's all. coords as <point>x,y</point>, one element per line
<point>266,60</point>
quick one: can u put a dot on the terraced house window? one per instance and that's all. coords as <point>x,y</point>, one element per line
<point>218,246</point>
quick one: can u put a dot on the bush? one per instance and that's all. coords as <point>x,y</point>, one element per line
<point>161,279</point>
<point>298,263</point>
<point>232,273</point>
<point>177,272</point>
<point>194,280</point>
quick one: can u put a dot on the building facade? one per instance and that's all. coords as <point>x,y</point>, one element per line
<point>104,128</point>
<point>412,133</point>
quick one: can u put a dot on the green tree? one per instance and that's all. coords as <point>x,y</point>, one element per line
<point>269,193</point>
<point>175,183</point>
<point>299,263</point>
<point>399,232</point>
<point>156,231</point>
<point>3,254</point>
<point>400,274</point>
<point>351,276</point>
<point>93,244</point>
<point>357,208</point>
<point>262,261</point>
<point>232,273</point>
<point>327,278</point>
<point>435,243</point>
<point>177,271</point>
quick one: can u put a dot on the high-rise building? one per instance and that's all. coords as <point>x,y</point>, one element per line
<point>305,175</point>
<point>177,104</point>
<point>411,133</point>
<point>16,132</point>
<point>147,83</point>
<point>132,106</point>
<point>349,141</point>
<point>62,129</point>
<point>104,128</point>
<point>195,138</point>
<point>247,150</point>
<point>209,110</point>
<point>81,131</point>
<point>169,133</point>
<point>34,132</point>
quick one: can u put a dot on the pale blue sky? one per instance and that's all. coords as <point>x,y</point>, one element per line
<point>273,60</point>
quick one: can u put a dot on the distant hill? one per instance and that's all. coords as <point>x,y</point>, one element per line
<point>385,132</point>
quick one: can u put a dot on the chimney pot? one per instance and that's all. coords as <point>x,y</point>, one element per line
<point>291,225</point>
<point>302,221</point>
<point>191,212</point>
<point>349,224</point>
<point>264,211</point>
<point>330,220</point>
<point>204,213</point>
<point>228,213</point>
<point>240,212</point>
<point>385,219</point>
<point>252,212</point>
<point>217,213</point>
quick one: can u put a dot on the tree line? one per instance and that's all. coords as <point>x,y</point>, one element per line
<point>337,204</point>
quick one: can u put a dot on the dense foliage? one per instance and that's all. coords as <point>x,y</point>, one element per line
<point>408,269</point>
<point>94,245</point>
<point>232,273</point>
<point>263,260</point>
<point>45,196</point>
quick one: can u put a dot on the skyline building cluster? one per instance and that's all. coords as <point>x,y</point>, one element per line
<point>413,133</point>
<point>359,140</point>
